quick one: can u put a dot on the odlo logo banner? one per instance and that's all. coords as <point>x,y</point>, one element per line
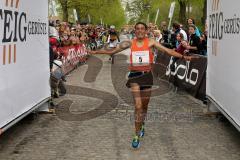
<point>16,27</point>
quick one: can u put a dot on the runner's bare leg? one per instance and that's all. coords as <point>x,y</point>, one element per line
<point>145,97</point>
<point>135,89</point>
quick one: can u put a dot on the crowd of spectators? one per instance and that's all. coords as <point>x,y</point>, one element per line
<point>184,39</point>
<point>67,35</point>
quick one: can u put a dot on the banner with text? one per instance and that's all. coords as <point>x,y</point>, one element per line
<point>24,57</point>
<point>184,74</point>
<point>72,56</point>
<point>223,53</point>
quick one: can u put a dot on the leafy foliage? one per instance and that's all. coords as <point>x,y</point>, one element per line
<point>138,10</point>
<point>110,11</point>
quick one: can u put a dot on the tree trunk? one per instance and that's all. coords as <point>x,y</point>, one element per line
<point>204,12</point>
<point>64,4</point>
<point>182,11</point>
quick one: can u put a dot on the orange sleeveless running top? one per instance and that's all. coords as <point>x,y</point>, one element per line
<point>141,58</point>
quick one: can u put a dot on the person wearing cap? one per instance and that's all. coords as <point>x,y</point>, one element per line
<point>113,36</point>
<point>140,77</point>
<point>113,40</point>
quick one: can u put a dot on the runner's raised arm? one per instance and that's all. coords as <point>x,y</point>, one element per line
<point>122,46</point>
<point>171,52</point>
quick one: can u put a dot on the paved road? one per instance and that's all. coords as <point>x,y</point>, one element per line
<point>94,121</point>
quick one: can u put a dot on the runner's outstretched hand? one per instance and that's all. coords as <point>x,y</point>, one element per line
<point>189,58</point>
<point>91,52</point>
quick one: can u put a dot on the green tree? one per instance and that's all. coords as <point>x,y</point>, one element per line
<point>182,11</point>
<point>110,11</point>
<point>139,12</point>
<point>65,6</point>
<point>139,9</point>
<point>204,17</point>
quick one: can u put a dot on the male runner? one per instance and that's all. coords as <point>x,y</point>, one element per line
<point>140,76</point>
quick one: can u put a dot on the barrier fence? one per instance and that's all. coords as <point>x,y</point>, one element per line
<point>188,75</point>
<point>72,56</point>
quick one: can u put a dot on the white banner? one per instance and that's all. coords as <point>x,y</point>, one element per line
<point>75,14</point>
<point>171,10</point>
<point>53,8</point>
<point>156,18</point>
<point>24,57</point>
<point>223,56</point>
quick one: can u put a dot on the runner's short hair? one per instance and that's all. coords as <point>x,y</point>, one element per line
<point>146,27</point>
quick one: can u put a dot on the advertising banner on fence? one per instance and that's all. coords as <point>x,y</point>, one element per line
<point>71,56</point>
<point>24,57</point>
<point>184,74</point>
<point>188,75</point>
<point>223,76</point>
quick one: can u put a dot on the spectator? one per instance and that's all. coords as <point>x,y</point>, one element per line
<point>73,32</point>
<point>194,41</point>
<point>182,48</point>
<point>157,35</point>
<point>191,21</point>
<point>56,75</point>
<point>165,32</point>
<point>203,42</point>
<point>53,32</point>
<point>113,33</point>
<point>64,38</point>
<point>177,29</point>
<point>182,44</point>
<point>73,36</point>
<point>151,30</point>
<point>113,38</point>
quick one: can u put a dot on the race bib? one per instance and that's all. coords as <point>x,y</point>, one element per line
<point>140,58</point>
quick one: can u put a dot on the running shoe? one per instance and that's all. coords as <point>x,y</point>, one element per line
<point>136,142</point>
<point>142,131</point>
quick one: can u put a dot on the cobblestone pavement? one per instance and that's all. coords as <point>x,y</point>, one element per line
<point>83,129</point>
